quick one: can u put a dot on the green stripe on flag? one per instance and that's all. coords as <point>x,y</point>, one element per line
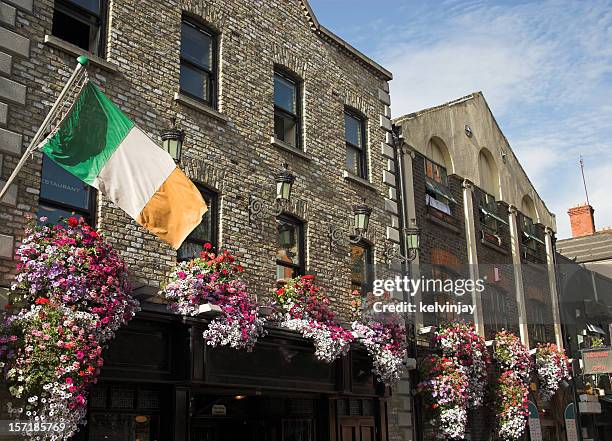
<point>88,135</point>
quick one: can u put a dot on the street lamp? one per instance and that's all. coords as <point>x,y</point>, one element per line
<point>361,213</point>
<point>413,243</point>
<point>284,180</point>
<point>172,141</point>
<point>339,236</point>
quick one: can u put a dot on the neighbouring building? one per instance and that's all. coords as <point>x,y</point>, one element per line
<point>585,292</point>
<point>254,85</point>
<point>480,217</point>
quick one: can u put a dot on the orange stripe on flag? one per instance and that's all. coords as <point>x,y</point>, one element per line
<point>174,210</point>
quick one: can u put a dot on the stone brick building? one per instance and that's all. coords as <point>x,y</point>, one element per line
<point>254,84</point>
<point>481,218</point>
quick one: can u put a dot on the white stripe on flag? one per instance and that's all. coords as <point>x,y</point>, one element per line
<point>134,172</point>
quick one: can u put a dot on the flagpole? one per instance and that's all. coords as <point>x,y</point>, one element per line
<point>82,62</point>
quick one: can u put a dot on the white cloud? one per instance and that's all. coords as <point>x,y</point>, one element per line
<point>546,71</point>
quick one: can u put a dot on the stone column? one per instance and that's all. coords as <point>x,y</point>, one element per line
<point>552,282</point>
<point>518,273</point>
<point>470,237</point>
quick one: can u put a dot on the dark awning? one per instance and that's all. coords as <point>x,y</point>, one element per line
<point>493,215</point>
<point>439,189</point>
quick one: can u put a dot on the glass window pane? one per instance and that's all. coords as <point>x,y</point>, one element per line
<point>53,214</point>
<point>123,426</point>
<point>196,46</point>
<point>60,186</point>
<point>353,130</point>
<point>90,5</point>
<point>189,250</point>
<point>288,242</point>
<point>285,272</point>
<point>285,128</point>
<point>194,82</point>
<point>285,94</point>
<point>353,160</point>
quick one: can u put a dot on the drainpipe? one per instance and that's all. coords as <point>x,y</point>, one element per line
<point>399,153</point>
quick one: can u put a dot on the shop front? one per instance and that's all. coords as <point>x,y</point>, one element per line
<point>161,382</point>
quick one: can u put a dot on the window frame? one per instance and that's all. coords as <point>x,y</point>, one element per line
<point>89,214</point>
<point>214,213</point>
<point>488,223</point>
<point>212,73</point>
<point>368,261</point>
<point>79,13</point>
<point>300,268</point>
<point>363,151</point>
<point>298,84</point>
<point>536,311</point>
<point>499,314</point>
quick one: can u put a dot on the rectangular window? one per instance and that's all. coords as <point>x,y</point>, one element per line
<point>536,321</point>
<point>287,109</point>
<point>63,195</point>
<point>80,22</point>
<point>198,62</point>
<point>204,233</point>
<point>354,135</point>
<point>289,248</point>
<point>360,267</point>
<point>499,311</point>
<point>488,213</point>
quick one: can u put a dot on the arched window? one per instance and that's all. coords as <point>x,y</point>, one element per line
<point>489,178</point>
<point>438,194</point>
<point>489,186</point>
<point>528,208</point>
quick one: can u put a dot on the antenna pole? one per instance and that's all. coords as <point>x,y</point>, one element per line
<point>584,180</point>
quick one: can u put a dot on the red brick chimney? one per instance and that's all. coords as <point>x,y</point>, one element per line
<point>582,220</point>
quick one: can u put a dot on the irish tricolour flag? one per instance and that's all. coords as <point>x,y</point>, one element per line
<point>98,144</point>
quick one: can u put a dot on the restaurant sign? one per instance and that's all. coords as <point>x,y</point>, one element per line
<point>597,361</point>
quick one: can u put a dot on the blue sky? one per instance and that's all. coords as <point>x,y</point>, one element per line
<point>545,68</point>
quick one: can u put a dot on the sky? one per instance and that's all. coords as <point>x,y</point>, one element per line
<point>544,67</point>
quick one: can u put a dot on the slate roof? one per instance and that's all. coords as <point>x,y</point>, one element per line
<point>591,248</point>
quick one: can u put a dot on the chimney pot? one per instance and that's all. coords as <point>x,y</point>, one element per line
<point>582,220</point>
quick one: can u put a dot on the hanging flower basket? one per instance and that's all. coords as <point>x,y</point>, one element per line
<point>552,366</point>
<point>445,392</point>
<point>460,342</point>
<point>210,285</point>
<point>303,307</point>
<point>513,385</point>
<point>73,291</point>
<point>384,337</point>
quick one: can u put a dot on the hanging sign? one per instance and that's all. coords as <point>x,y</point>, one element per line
<point>597,361</point>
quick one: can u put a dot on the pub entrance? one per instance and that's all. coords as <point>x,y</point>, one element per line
<point>253,418</point>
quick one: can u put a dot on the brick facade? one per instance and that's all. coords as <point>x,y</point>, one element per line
<point>227,149</point>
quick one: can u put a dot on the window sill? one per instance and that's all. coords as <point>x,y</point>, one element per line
<point>348,176</point>
<point>288,148</point>
<point>64,46</point>
<point>493,246</point>
<point>196,105</point>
